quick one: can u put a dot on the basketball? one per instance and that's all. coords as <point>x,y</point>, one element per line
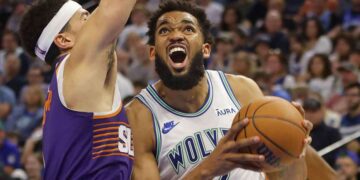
<point>278,125</point>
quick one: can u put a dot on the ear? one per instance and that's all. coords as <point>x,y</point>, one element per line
<point>206,50</point>
<point>64,41</point>
<point>152,53</point>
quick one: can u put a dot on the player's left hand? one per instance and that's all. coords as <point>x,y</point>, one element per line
<point>307,125</point>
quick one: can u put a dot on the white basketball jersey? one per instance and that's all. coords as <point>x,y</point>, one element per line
<point>183,140</point>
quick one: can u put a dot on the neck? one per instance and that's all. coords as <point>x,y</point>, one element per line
<point>185,100</point>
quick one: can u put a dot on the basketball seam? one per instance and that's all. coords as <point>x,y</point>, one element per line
<point>281,119</point>
<point>257,129</point>
<point>247,110</point>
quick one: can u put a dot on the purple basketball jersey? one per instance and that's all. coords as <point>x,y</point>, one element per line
<point>79,145</point>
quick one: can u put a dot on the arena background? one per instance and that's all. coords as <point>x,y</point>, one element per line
<point>301,50</point>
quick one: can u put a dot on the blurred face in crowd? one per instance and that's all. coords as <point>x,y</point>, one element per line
<point>317,66</point>
<point>33,167</point>
<point>273,21</point>
<point>34,76</point>
<point>346,168</point>
<point>33,96</point>
<point>273,65</point>
<point>138,16</point>
<point>12,64</point>
<point>348,77</point>
<point>352,96</point>
<point>342,47</point>
<point>318,6</point>
<point>224,47</point>
<point>316,113</point>
<point>179,50</point>
<point>241,64</point>
<point>230,16</point>
<point>262,49</point>
<point>9,42</point>
<point>355,59</point>
<point>311,29</point>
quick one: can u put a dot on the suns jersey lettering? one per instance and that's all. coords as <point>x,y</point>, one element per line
<point>183,140</point>
<point>125,140</point>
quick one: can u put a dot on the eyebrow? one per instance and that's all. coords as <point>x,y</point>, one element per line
<point>185,21</point>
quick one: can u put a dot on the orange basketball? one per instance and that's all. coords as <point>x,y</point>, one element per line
<point>278,125</point>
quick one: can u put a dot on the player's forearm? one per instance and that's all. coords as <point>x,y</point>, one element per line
<point>297,171</point>
<point>199,172</point>
<point>317,166</point>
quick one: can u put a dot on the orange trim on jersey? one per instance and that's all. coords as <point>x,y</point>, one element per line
<point>108,139</point>
<point>109,115</point>
<point>107,150</point>
<point>108,128</point>
<point>114,154</point>
<point>106,145</point>
<point>101,124</point>
<point>106,134</point>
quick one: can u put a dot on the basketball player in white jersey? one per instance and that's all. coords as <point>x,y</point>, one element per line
<point>182,124</point>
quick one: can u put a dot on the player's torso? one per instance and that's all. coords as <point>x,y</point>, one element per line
<point>185,139</point>
<point>84,145</point>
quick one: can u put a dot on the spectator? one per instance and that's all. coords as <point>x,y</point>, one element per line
<point>35,77</point>
<point>213,11</point>
<point>347,166</point>
<point>351,16</point>
<point>13,22</point>
<point>276,67</point>
<point>232,20</point>
<point>343,47</point>
<point>7,99</point>
<point>33,166</point>
<point>316,42</point>
<point>296,56</point>
<point>11,46</point>
<point>273,26</point>
<point>349,74</point>
<point>25,118</point>
<point>322,135</point>
<point>9,153</point>
<point>320,76</point>
<point>242,64</point>
<point>223,53</point>
<point>12,77</point>
<point>350,122</point>
<point>138,25</point>
<point>261,48</point>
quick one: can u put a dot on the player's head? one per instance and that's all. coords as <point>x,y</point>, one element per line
<point>179,40</point>
<point>49,28</point>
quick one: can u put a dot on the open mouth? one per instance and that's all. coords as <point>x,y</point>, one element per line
<point>178,57</point>
<point>177,54</point>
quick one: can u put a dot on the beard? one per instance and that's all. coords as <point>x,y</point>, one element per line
<point>182,82</point>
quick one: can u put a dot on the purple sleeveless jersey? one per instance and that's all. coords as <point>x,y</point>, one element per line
<point>79,145</point>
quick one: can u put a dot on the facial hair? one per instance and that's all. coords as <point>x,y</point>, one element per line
<point>181,82</point>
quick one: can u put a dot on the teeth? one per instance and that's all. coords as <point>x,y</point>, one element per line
<point>176,49</point>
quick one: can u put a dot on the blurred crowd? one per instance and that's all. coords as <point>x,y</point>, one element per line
<point>306,51</point>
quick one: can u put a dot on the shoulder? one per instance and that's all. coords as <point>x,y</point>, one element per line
<point>139,115</point>
<point>244,88</point>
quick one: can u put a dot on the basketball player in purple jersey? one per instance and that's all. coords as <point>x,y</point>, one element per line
<point>86,132</point>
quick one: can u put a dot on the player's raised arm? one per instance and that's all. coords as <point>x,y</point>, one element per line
<point>141,121</point>
<point>102,28</point>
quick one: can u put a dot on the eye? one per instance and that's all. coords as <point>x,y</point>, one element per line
<point>189,29</point>
<point>163,30</point>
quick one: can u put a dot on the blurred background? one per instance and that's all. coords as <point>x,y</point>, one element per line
<point>306,51</point>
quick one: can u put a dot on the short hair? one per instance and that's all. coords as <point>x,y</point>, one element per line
<point>34,22</point>
<point>183,6</point>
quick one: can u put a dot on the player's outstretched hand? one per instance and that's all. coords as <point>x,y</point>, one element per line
<point>226,156</point>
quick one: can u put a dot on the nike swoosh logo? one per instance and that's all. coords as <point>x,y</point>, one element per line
<point>166,130</point>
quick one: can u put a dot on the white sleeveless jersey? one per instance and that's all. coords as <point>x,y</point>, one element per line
<point>183,140</point>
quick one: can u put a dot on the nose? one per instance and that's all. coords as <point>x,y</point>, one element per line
<point>176,37</point>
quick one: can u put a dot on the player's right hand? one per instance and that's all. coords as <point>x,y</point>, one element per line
<point>226,156</point>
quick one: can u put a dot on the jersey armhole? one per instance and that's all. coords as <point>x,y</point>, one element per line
<point>156,127</point>
<point>229,90</point>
